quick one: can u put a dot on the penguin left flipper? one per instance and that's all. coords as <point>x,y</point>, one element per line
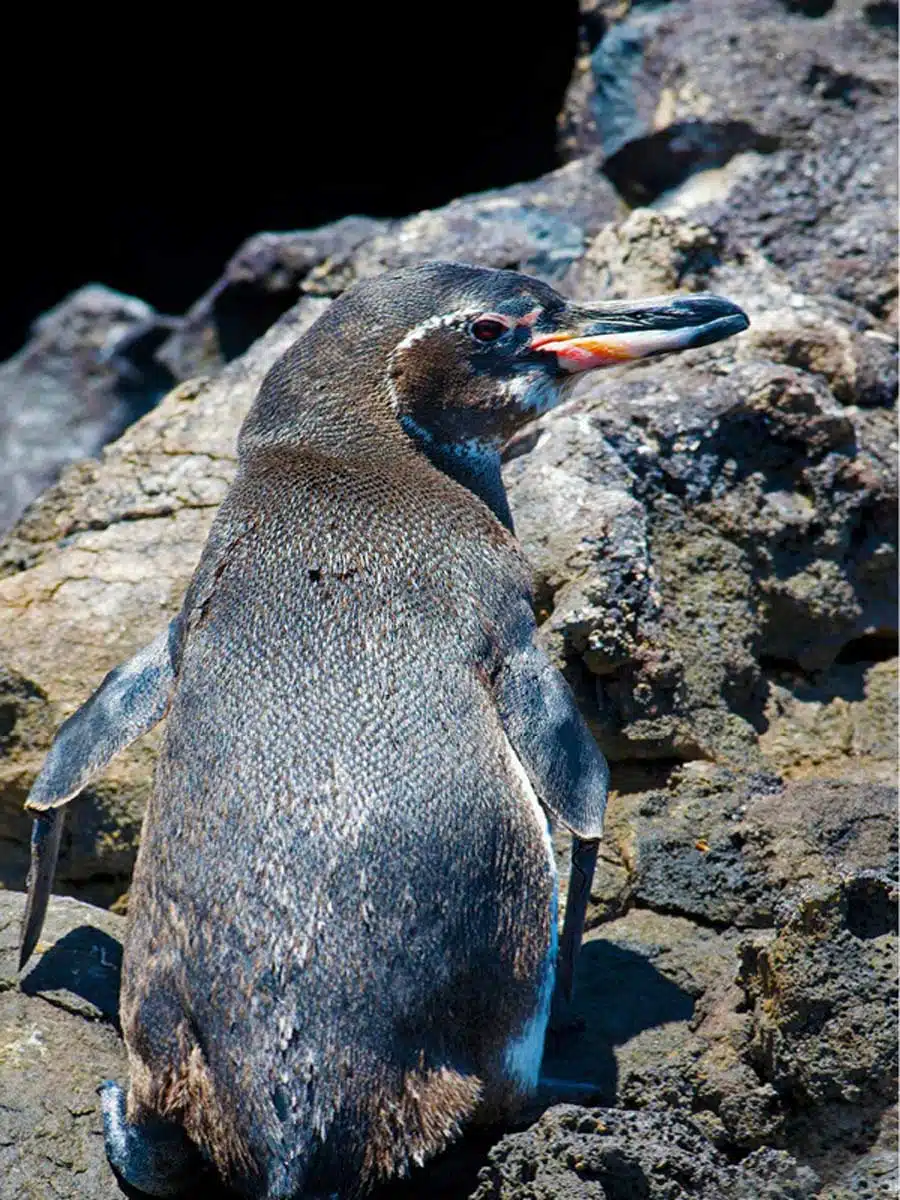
<point>131,699</point>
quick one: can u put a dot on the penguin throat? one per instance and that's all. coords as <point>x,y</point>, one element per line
<point>473,463</point>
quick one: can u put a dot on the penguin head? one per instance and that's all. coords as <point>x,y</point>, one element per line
<point>490,350</point>
<point>459,356</point>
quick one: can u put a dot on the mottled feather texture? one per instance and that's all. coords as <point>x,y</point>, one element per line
<point>340,892</point>
<point>337,874</point>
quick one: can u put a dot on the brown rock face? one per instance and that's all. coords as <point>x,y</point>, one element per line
<point>706,1066</point>
<point>727,500</point>
<point>103,559</point>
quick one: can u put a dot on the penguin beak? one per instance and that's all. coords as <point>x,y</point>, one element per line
<point>614,332</point>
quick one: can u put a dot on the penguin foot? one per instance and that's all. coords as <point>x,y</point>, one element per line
<point>154,1157</point>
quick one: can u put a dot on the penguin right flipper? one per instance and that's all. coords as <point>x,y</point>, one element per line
<point>131,699</point>
<point>549,735</point>
<point>569,775</point>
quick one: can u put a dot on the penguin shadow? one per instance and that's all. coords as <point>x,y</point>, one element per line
<point>618,994</point>
<point>81,972</point>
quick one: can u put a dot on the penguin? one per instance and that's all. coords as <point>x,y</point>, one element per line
<point>342,932</point>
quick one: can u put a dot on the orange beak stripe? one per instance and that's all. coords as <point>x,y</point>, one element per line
<point>583,353</point>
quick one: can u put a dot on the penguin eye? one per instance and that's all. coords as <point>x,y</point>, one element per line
<point>488,329</point>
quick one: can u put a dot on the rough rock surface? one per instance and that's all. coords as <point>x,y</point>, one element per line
<point>804,95</point>
<point>728,497</point>
<point>715,547</point>
<point>539,227</point>
<point>58,1042</point>
<point>86,373</point>
<point>739,1066</point>
<point>741,962</point>
<point>577,1154</point>
<point>103,559</point>
<point>266,276</point>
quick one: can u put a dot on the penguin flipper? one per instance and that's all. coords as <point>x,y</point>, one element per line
<point>569,775</point>
<point>131,699</point>
<point>581,876</point>
<point>549,735</point>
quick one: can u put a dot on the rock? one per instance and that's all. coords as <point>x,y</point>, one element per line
<point>821,999</point>
<point>268,274</point>
<point>58,1042</point>
<point>803,94</point>
<point>716,1043</point>
<point>822,996</point>
<point>539,227</point>
<point>735,852</point>
<point>86,373</point>
<point>739,966</point>
<point>728,496</point>
<point>599,1154</point>
<point>726,501</point>
<point>846,719</point>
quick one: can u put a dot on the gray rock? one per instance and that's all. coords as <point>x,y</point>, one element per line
<point>267,275</point>
<point>763,1036</point>
<point>823,998</point>
<point>846,715</point>
<point>102,559</point>
<point>540,227</point>
<point>58,1042</point>
<point>733,851</point>
<point>603,1154</point>
<point>87,371</point>
<point>804,93</point>
<point>728,499</point>
<point>699,527</point>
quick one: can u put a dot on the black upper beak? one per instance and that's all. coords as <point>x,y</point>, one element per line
<point>604,334</point>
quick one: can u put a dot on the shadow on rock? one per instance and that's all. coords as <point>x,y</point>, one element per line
<point>80,972</point>
<point>618,994</point>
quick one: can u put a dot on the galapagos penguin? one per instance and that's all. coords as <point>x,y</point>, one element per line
<point>342,925</point>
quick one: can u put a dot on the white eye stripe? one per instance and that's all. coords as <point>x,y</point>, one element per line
<point>460,317</point>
